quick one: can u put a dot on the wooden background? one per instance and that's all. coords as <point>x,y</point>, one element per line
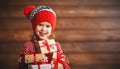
<point>88,30</point>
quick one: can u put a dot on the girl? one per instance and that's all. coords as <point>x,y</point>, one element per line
<point>51,56</point>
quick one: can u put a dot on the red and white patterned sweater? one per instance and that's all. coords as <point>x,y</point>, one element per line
<point>29,49</point>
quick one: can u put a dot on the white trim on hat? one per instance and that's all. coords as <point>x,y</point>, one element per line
<point>39,9</point>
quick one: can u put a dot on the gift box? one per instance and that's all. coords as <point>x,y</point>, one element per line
<point>47,46</point>
<point>60,66</point>
<point>41,66</point>
<point>59,63</point>
<point>32,58</point>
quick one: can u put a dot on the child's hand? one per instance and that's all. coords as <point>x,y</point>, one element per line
<point>52,64</point>
<point>67,60</point>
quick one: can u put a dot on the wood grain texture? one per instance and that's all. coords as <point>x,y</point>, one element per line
<point>88,31</point>
<point>90,47</point>
<point>72,23</point>
<point>79,11</point>
<point>63,2</point>
<point>87,35</point>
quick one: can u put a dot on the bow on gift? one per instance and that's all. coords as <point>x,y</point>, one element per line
<point>38,63</point>
<point>58,60</point>
<point>47,46</point>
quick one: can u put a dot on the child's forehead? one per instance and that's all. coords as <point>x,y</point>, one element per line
<point>45,23</point>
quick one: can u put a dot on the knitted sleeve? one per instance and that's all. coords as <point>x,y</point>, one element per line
<point>60,53</point>
<point>27,49</point>
<point>61,58</point>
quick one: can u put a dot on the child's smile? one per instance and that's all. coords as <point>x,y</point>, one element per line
<point>43,33</point>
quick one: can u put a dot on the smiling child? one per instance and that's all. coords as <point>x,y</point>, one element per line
<point>42,52</point>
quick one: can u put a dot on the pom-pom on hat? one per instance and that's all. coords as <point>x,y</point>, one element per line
<point>40,14</point>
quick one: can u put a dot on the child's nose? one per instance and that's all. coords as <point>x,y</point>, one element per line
<point>43,28</point>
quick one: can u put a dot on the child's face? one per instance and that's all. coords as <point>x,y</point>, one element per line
<point>43,30</point>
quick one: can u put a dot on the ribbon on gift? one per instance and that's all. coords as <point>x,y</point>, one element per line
<point>35,62</point>
<point>34,56</point>
<point>41,63</point>
<point>45,43</point>
<point>38,63</point>
<point>58,60</point>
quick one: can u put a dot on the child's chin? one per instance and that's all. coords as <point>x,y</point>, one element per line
<point>43,38</point>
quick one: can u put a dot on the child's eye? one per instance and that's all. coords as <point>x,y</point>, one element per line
<point>48,26</point>
<point>40,25</point>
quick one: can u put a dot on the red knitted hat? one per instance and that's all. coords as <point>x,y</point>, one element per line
<point>40,14</point>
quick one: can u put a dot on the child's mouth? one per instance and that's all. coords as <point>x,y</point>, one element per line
<point>42,33</point>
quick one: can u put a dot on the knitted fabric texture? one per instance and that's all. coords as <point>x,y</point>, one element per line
<point>39,14</point>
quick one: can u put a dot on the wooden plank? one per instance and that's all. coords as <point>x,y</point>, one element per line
<point>16,35</point>
<point>12,58</point>
<point>91,47</point>
<point>69,47</point>
<point>9,61</point>
<point>87,35</point>
<point>11,47</point>
<point>105,66</point>
<point>63,11</point>
<point>96,11</point>
<point>96,66</point>
<point>15,24</point>
<point>66,23</point>
<point>71,35</point>
<point>88,23</point>
<point>62,2</point>
<point>113,66</point>
<point>86,59</point>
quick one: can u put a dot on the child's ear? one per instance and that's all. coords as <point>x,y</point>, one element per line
<point>28,9</point>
